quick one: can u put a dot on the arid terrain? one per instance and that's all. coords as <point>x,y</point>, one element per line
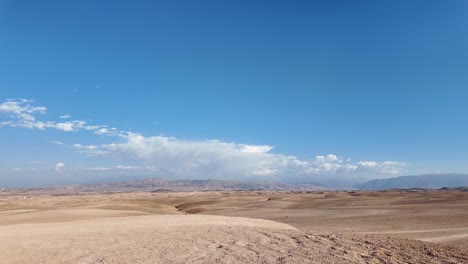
<point>62,226</point>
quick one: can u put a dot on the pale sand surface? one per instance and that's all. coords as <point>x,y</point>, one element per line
<point>234,227</point>
<point>204,239</point>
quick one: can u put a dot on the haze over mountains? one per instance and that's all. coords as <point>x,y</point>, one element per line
<point>157,184</point>
<point>428,181</point>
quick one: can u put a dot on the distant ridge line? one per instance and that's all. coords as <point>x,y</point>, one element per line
<point>426,181</point>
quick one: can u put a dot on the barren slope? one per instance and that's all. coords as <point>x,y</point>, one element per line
<point>204,239</point>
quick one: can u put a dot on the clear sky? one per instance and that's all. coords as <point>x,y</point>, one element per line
<point>266,90</point>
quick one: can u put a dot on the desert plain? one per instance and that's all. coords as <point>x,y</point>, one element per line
<point>397,226</point>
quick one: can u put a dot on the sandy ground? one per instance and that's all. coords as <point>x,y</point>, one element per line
<point>235,227</point>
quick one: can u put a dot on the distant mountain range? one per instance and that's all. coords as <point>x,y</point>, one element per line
<point>329,181</point>
<point>161,185</point>
<point>428,181</point>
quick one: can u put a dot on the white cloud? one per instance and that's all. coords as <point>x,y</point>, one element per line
<point>88,147</point>
<point>25,169</point>
<point>97,168</point>
<point>325,159</point>
<point>124,167</point>
<point>59,167</point>
<point>117,168</point>
<point>75,125</point>
<point>255,149</point>
<point>385,167</point>
<point>57,142</point>
<point>189,158</point>
<point>21,107</point>
<point>210,157</point>
<point>368,164</point>
<point>68,126</point>
<point>214,158</point>
<point>102,131</point>
<point>23,114</point>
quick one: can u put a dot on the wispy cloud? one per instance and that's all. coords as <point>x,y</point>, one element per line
<point>56,142</point>
<point>25,169</point>
<point>117,168</point>
<point>22,113</point>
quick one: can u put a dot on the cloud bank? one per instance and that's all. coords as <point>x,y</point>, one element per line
<point>172,157</point>
<point>217,159</point>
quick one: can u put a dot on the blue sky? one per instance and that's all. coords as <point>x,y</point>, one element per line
<point>232,89</point>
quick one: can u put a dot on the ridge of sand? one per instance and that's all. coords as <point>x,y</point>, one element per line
<point>205,239</point>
